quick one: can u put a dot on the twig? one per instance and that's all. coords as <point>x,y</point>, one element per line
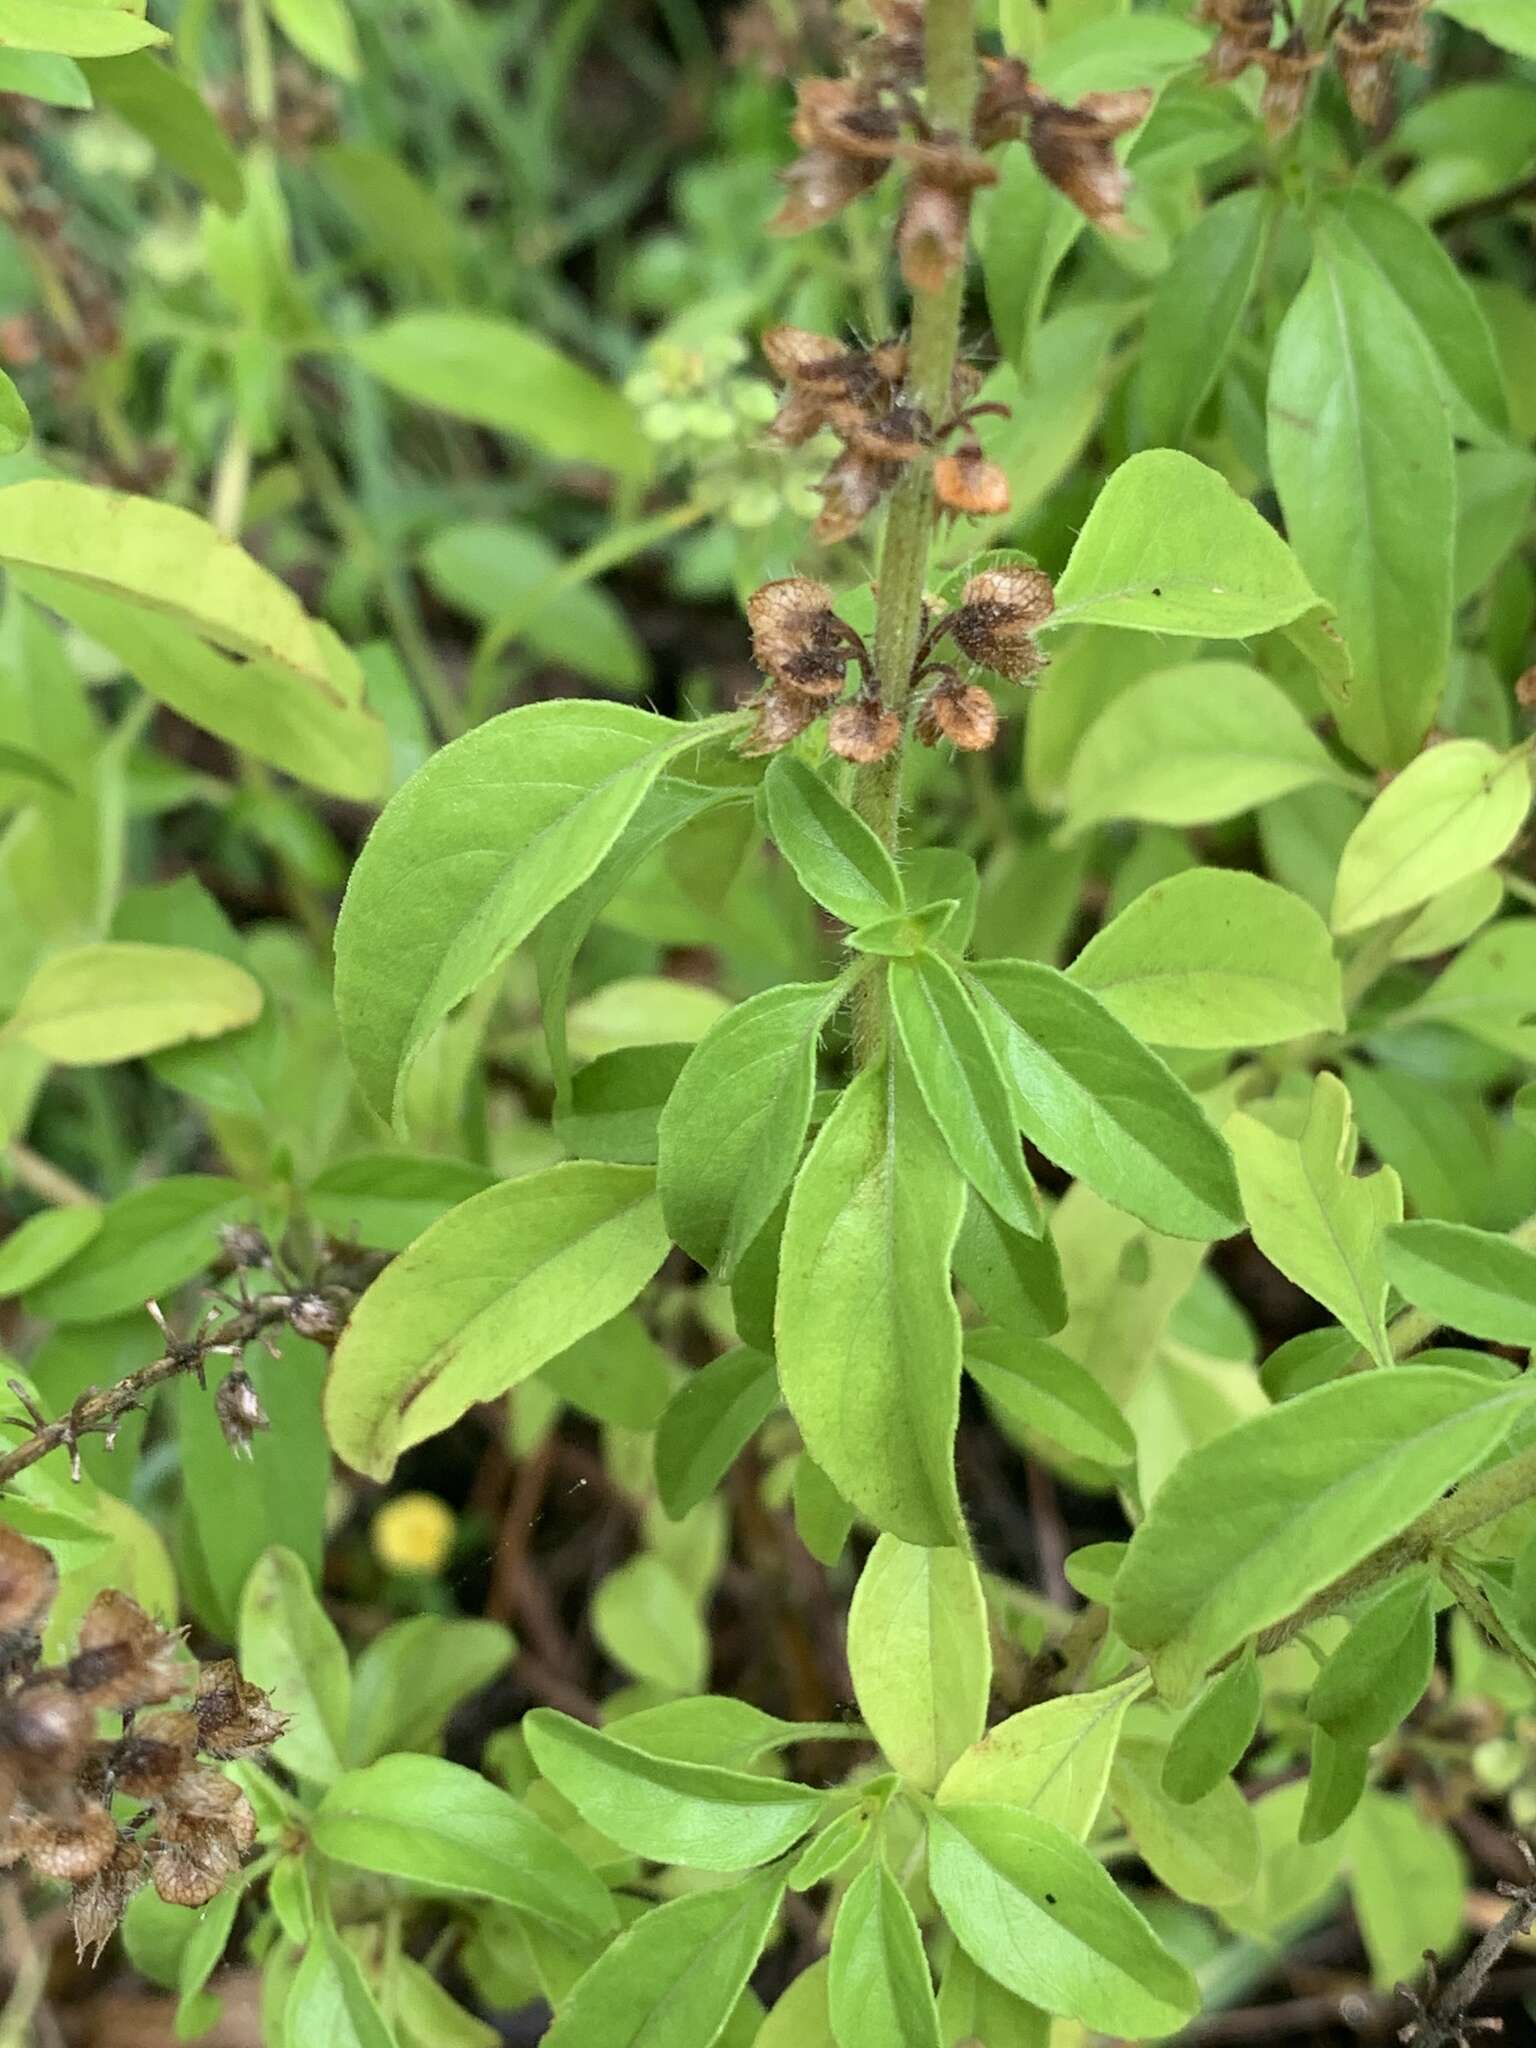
<point>318,1313</point>
<point>46,1180</point>
<point>1440,2018</point>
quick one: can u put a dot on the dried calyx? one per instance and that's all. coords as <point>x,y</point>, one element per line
<point>806,650</point>
<point>187,1825</point>
<point>1362,45</point>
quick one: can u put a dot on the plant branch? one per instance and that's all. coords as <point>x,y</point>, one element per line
<point>318,1313</point>
<point>1441,2018</point>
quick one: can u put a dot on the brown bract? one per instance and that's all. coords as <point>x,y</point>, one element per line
<point>967,482</point>
<point>997,616</point>
<point>1074,148</point>
<point>1247,29</point>
<point>1288,73</point>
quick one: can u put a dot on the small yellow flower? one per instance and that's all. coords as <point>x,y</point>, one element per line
<point>413,1533</point>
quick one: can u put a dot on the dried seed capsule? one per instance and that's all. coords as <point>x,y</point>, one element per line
<point>996,618</point>
<point>72,1845</point>
<point>244,1245</point>
<point>1072,146</point>
<point>234,1717</point>
<point>962,713</point>
<point>124,1658</point>
<point>241,1415</point>
<point>782,715</point>
<point>150,1760</point>
<point>1287,79</point>
<point>45,1731</point>
<point>311,1315</point>
<point>967,482</point>
<point>100,1902</point>
<point>796,637</point>
<point>863,731</point>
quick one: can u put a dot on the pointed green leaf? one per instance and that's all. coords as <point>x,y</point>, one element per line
<point>1195,313</point>
<point>1450,813</point>
<point>75,28</point>
<point>1407,1876</point>
<point>1471,1280</point>
<point>95,1005</point>
<point>1206,1851</point>
<point>839,860</point>
<point>45,1242</point>
<point>709,1419</point>
<point>1038,1387</point>
<point>1213,1736</point>
<point>1378,1674</point>
<point>879,1992</point>
<point>1335,1783</point>
<point>1053,1760</point>
<point>920,1656</point>
<point>170,113</point>
<point>289,1646</point>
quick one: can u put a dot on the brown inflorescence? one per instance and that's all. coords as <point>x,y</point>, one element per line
<point>997,617</point>
<point>59,1775</point>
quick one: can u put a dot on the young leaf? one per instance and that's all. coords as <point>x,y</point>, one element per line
<point>879,1992</point>
<point>1406,1875</point>
<point>732,1131</point>
<point>435,1824</point>
<point>1016,1280</point>
<point>385,1200</point>
<point>503,376</point>
<point>713,1414</point>
<point>289,1647</point>
<point>648,1622</point>
<point>975,2007</point>
<point>1206,1851</point>
<point>914,931</point>
<point>43,1243</point>
<point>1377,1675</point>
<point>478,847</point>
<point>1249,1526</point>
<point>920,1656</point>
<point>1212,1738</point>
<point>830,1851</point>
<point>1169,547</point>
<point>170,114</point>
<point>617,1373</point>
<point>1194,316</point>
<point>76,28</point>
<point>150,1241</point>
<point>1335,1783</point>
<point>1039,1388</point>
<point>330,2000</point>
<point>1360,444</point>
<point>95,1005</point>
<point>823,1518</point>
<point>837,857</point>
<point>1472,1280</point>
<point>867,1333</point>
<point>675,1974</point>
<point>959,1078</point>
<point>616,1103</point>
<point>1095,1100</point>
<point>1052,1760</point>
<point>1212,959</point>
<point>497,1288</point>
<point>1033,1908</point>
<point>1450,813</point>
<point>666,1811</point>
<point>1192,745</point>
<point>412,1676</point>
<point>1314,1217</point>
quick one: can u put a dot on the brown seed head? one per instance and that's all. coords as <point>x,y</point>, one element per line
<point>125,1659</point>
<point>1288,73</point>
<point>1247,28</point>
<point>782,715</point>
<point>1008,97</point>
<point>71,1845</point>
<point>996,618</point>
<point>45,1731</point>
<point>863,731</point>
<point>101,1901</point>
<point>1072,146</point>
<point>192,1860</point>
<point>244,1245</point>
<point>241,1415</point>
<point>234,1717</point>
<point>312,1316</point>
<point>795,636</point>
<point>1525,690</point>
<point>149,1761</point>
<point>850,491</point>
<point>962,713</point>
<point>29,1578</point>
<point>967,482</point>
<point>932,237</point>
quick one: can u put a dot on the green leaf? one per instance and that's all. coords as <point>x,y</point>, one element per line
<point>800,2017</point>
<point>1249,1526</point>
<point>648,1622</point>
<point>164,559</point>
<point>617,1101</point>
<point>675,1974</point>
<point>487,569</point>
<point>1101,1105</point>
<point>1360,447</point>
<point>732,1131</point>
<point>323,30</point>
<point>95,1005</point>
<point>290,1648</point>
<point>1039,1388</point>
<point>1314,1217</point>
<point>479,846</point>
<point>169,112</point>
<point>411,1677</point>
<point>1508,23</point>
<point>150,1241</point>
<point>1377,1675</point>
<point>1195,314</point>
<point>15,421</point>
<point>1015,1280</point>
<point>1471,1280</point>
<point>1192,745</point>
<point>1213,1736</point>
<point>897,938</point>
<point>74,28</point>
<point>1033,1908</point>
<point>37,75</point>
<point>497,1288</point>
<point>203,1952</point>
<point>831,1850</point>
<point>710,1729</point>
<point>960,1079</point>
<point>1335,1783</point>
<point>1053,1760</point>
<point>867,1333</point>
<point>920,1656</point>
<point>1419,270</point>
<point>436,1825</point>
<point>385,1200</point>
<point>1169,547</point>
<point>1213,958</point>
<point>669,1812</point>
<point>838,859</point>
<point>42,1244</point>
<point>715,1412</point>
<point>975,2007</point>
<point>1293,1875</point>
<point>617,1373</point>
<point>1451,812</point>
<point>1407,1875</point>
<point>1207,1850</point>
<point>503,376</point>
<point>823,1518</point>
<point>879,1992</point>
<point>329,1999</point>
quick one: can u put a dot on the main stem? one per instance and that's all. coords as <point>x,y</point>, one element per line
<point>950,72</point>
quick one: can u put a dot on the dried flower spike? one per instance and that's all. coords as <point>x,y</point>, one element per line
<point>1247,30</point>
<point>29,1579</point>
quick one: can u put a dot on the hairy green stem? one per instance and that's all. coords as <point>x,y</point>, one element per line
<point>950,67</point>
